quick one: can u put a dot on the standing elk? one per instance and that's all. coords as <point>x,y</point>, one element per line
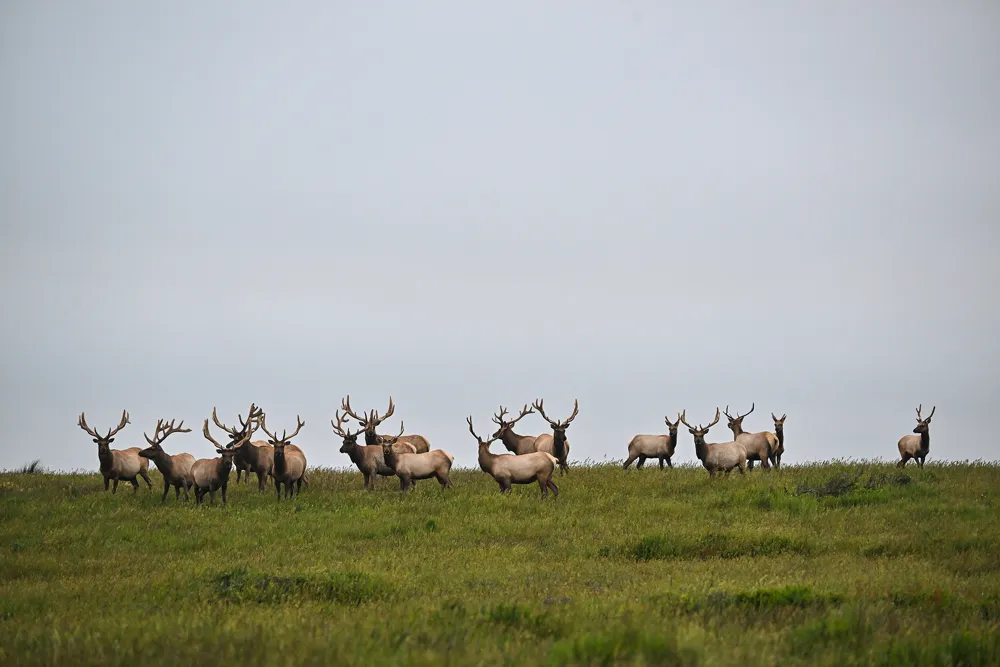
<point>368,458</point>
<point>716,456</point>
<point>517,444</point>
<point>556,444</point>
<point>779,432</point>
<point>211,475</point>
<point>917,447</point>
<point>289,461</point>
<point>118,464</point>
<point>413,466</point>
<point>176,469</point>
<point>371,420</point>
<point>660,447</point>
<point>760,446</point>
<point>256,457</point>
<point>509,469</point>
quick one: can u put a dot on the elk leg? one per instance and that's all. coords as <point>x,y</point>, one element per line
<point>669,462</point>
<point>225,487</point>
<point>505,486</point>
<point>145,476</point>
<point>921,461</point>
<point>661,463</point>
<point>166,489</point>
<point>642,462</point>
<point>135,485</point>
<point>902,462</point>
<point>107,482</point>
<point>750,463</point>
<point>298,486</point>
<point>277,488</point>
<point>628,462</point>
<point>552,485</point>
<point>114,489</point>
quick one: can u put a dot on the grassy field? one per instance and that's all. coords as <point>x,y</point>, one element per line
<point>840,563</point>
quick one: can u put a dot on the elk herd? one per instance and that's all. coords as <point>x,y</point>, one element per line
<point>531,458</point>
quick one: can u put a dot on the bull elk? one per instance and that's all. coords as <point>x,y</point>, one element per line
<point>372,419</point>
<point>117,464</point>
<point>660,447</point>
<point>779,432</point>
<point>917,447</point>
<point>211,475</point>
<point>760,446</point>
<point>256,457</point>
<point>176,469</point>
<point>508,469</point>
<point>718,456</point>
<point>556,444</point>
<point>413,466</point>
<point>517,444</point>
<point>289,461</point>
<point>369,459</point>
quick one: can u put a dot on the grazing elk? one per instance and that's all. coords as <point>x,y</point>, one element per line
<point>371,420</point>
<point>368,458</point>
<point>413,466</point>
<point>518,444</point>
<point>211,475</point>
<point>556,444</point>
<point>118,464</point>
<point>917,447</point>
<point>760,446</point>
<point>257,457</point>
<point>779,432</point>
<point>508,469</point>
<point>719,456</point>
<point>176,469</point>
<point>289,461</point>
<point>661,447</point>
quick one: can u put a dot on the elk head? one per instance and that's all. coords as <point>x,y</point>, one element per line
<point>507,424</point>
<point>482,443</point>
<point>285,439</point>
<point>923,423</point>
<point>558,427</point>
<point>779,424</point>
<point>163,429</point>
<point>103,442</point>
<point>673,427</point>
<point>247,428</point>
<point>369,421</point>
<point>736,423</point>
<point>387,441</point>
<point>350,438</point>
<point>700,432</point>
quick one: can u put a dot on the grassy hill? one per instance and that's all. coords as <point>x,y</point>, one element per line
<point>839,563</point>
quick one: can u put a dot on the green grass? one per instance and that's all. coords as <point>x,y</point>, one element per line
<point>839,563</point>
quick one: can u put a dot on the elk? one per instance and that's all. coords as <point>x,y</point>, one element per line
<point>779,433</point>
<point>759,445</point>
<point>211,475</point>
<point>508,469</point>
<point>518,444</point>
<point>917,447</point>
<point>256,456</point>
<point>176,469</point>
<point>661,447</point>
<point>289,461</point>
<point>716,457</point>
<point>413,466</point>
<point>556,444</point>
<point>117,464</point>
<point>371,420</point>
<point>368,458</point>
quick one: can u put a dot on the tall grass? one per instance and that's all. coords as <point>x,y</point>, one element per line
<point>838,563</point>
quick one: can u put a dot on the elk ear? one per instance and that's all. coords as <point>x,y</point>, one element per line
<point>97,441</point>
<point>219,450</point>
<point>691,431</point>
<point>110,440</point>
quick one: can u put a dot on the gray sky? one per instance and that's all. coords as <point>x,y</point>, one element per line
<point>649,206</point>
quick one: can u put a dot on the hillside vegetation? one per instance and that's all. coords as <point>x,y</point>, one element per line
<point>839,563</point>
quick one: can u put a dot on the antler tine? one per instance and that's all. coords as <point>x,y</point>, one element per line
<point>345,405</point>
<point>379,419</point>
<point>156,434</point>
<point>170,429</point>
<point>752,406</point>
<point>773,417</point>
<point>726,412</point>
<point>338,426</point>
<point>919,418</point>
<point>393,439</point>
<point>208,436</point>
<point>525,411</point>
<point>215,418</point>
<point>121,424</point>
<point>472,430</point>
<point>576,411</point>
<point>82,423</point>
<point>683,418</point>
<point>298,428</point>
<point>716,421</point>
<point>263,425</point>
<point>932,413</point>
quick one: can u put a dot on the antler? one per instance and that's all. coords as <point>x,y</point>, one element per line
<point>387,440</point>
<point>700,427</point>
<point>928,416</point>
<point>676,421</point>
<point>472,430</point>
<point>778,420</point>
<point>338,427</point>
<point>230,431</point>
<point>163,429</point>
<point>345,405</point>
<point>498,418</point>
<point>683,419</point>
<point>715,421</point>
<point>120,426</point>
<point>82,423</point>
<point>208,436</point>
<point>379,419</point>
<point>738,415</point>
<point>253,418</point>
<point>538,406</point>
<point>284,434</point>
<point>576,411</point>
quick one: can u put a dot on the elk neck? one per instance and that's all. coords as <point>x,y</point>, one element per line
<point>925,440</point>
<point>163,462</point>
<point>672,441</point>
<point>389,456</point>
<point>224,466</point>
<point>700,448</point>
<point>107,460</point>
<point>486,459</point>
<point>559,445</point>
<point>781,436</point>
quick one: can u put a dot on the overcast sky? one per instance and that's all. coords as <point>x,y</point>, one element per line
<point>649,206</point>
